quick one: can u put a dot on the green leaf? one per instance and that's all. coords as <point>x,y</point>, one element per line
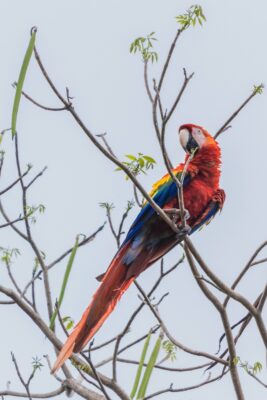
<point>41,208</point>
<point>140,366</point>
<point>258,89</point>
<point>131,157</point>
<point>8,254</point>
<point>21,79</point>
<point>170,349</point>
<point>193,15</point>
<point>68,322</point>
<point>107,206</point>
<point>236,360</point>
<point>151,363</point>
<point>201,13</point>
<point>144,45</point>
<point>149,159</point>
<point>69,325</point>
<point>36,363</point>
<point>257,367</point>
<point>65,281</point>
<point>141,162</point>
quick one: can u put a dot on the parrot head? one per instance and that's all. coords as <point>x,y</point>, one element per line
<point>194,137</point>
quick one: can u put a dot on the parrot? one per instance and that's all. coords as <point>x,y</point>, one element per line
<point>150,237</point>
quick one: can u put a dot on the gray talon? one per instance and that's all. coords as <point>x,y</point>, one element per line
<point>185,230</point>
<point>176,212</point>
<point>186,214</point>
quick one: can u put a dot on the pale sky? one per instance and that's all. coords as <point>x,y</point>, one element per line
<point>85,46</point>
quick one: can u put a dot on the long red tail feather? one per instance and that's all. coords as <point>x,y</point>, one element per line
<point>114,284</point>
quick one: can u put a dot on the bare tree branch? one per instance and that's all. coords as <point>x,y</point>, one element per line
<point>86,240</point>
<point>78,388</point>
<point>185,389</point>
<point>171,338</point>
<point>36,103</point>
<point>29,235</point>
<point>164,368</point>
<point>47,395</point>
<point>14,183</point>
<point>225,126</point>
<point>37,320</point>
<point>226,324</point>
<point>237,296</point>
<point>146,81</point>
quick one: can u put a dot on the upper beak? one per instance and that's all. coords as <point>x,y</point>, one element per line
<point>184,135</point>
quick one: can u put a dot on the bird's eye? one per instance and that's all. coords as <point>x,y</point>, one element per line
<point>199,132</point>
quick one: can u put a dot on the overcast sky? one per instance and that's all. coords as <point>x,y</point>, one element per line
<point>85,46</point>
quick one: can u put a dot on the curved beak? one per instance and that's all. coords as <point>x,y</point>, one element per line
<point>187,141</point>
<point>184,137</point>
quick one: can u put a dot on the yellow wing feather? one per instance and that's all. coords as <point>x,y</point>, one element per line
<point>163,180</point>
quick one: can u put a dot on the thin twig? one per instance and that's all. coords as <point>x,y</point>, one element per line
<point>18,231</point>
<point>2,302</point>
<point>29,235</point>
<point>35,178</point>
<point>60,319</point>
<point>102,136</point>
<point>171,389</point>
<point>86,240</point>
<point>104,344</point>
<point>73,385</point>
<point>257,379</point>
<point>128,346</point>
<point>263,260</point>
<point>12,222</point>
<point>245,269</point>
<point>164,368</point>
<point>47,395</point>
<point>171,338</point>
<point>224,127</point>
<point>146,81</point>
<point>138,202</point>
<point>60,258</point>
<point>230,292</point>
<point>14,183</point>
<point>24,383</point>
<point>36,103</point>
<point>13,280</point>
<point>246,320</point>
<point>179,96</point>
<point>169,55</point>
<point>96,375</point>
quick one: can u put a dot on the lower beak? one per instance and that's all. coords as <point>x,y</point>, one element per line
<point>191,144</point>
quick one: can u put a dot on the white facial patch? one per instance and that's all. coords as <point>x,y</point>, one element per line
<point>199,136</point>
<point>184,137</point>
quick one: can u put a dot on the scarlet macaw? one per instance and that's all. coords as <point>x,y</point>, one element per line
<point>149,237</point>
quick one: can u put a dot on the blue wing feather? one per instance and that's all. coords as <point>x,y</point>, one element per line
<point>165,193</point>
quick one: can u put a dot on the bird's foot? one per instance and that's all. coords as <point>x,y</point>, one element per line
<point>175,214</point>
<point>183,231</point>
